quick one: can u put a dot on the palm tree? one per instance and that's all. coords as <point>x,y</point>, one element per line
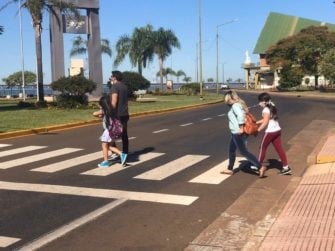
<point>138,46</point>
<point>79,47</point>
<point>169,71</point>
<point>179,74</point>
<point>164,40</point>
<point>36,9</point>
<point>187,79</point>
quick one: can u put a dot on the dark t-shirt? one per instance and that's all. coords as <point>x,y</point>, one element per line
<point>122,103</point>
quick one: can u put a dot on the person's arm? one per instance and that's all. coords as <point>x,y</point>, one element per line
<point>114,97</point>
<point>263,123</point>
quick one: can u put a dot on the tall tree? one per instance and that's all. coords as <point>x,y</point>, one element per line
<point>36,8</point>
<point>79,47</point>
<point>138,46</point>
<point>164,41</point>
<point>179,74</point>
<point>303,51</point>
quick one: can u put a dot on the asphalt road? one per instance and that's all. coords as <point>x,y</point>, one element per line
<point>53,196</point>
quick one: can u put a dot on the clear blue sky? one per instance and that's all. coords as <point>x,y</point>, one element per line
<point>119,17</point>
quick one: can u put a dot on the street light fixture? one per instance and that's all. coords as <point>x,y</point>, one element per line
<point>217,52</point>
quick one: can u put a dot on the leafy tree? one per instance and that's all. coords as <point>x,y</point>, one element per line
<point>134,81</point>
<point>210,80</point>
<point>179,74</point>
<point>164,41</point>
<point>79,47</point>
<point>305,51</point>
<point>138,46</point>
<point>291,76</point>
<point>327,66</point>
<point>36,9</point>
<point>15,79</point>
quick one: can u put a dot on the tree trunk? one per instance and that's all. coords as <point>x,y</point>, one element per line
<point>39,65</point>
<point>316,81</point>
<point>139,67</point>
<point>161,72</point>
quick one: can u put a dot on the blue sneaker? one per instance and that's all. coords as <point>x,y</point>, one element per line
<point>123,157</point>
<point>103,164</point>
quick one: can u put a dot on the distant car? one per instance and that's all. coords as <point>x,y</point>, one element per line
<point>224,86</point>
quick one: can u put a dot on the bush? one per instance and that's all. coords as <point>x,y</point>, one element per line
<point>68,101</point>
<point>190,89</point>
<point>134,82</point>
<point>73,91</point>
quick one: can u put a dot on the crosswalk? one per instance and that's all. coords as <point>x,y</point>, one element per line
<point>211,176</point>
<point>12,157</point>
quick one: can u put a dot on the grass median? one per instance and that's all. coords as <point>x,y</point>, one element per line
<point>14,118</point>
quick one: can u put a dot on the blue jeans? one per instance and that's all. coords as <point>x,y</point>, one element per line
<point>239,141</point>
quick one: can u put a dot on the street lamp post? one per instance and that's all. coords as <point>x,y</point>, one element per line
<point>22,54</point>
<point>217,52</point>
<point>200,51</point>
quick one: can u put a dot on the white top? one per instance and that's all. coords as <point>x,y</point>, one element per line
<point>273,125</point>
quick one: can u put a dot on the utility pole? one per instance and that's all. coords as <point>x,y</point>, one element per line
<point>200,51</point>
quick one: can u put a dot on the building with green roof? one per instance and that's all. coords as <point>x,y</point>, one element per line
<point>277,26</point>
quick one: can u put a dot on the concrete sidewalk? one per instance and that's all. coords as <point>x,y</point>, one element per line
<point>307,221</point>
<point>301,219</point>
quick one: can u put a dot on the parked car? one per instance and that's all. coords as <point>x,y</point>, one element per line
<point>224,86</point>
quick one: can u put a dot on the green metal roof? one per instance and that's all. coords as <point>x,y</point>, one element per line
<point>279,26</point>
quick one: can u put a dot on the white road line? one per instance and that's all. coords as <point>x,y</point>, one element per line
<point>187,124</point>
<point>4,145</point>
<point>7,241</point>
<point>159,131</point>
<point>117,167</point>
<point>20,150</point>
<point>37,157</point>
<point>99,193</point>
<point>43,240</point>
<point>220,115</point>
<point>213,175</point>
<point>58,166</point>
<point>171,168</point>
<point>205,119</point>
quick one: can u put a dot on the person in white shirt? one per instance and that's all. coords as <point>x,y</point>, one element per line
<point>272,133</point>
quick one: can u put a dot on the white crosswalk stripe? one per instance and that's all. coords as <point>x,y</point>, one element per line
<point>37,157</point>
<point>20,150</point>
<point>99,193</point>
<point>7,241</point>
<point>172,167</point>
<point>118,167</point>
<point>213,175</point>
<point>4,145</point>
<point>55,167</point>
